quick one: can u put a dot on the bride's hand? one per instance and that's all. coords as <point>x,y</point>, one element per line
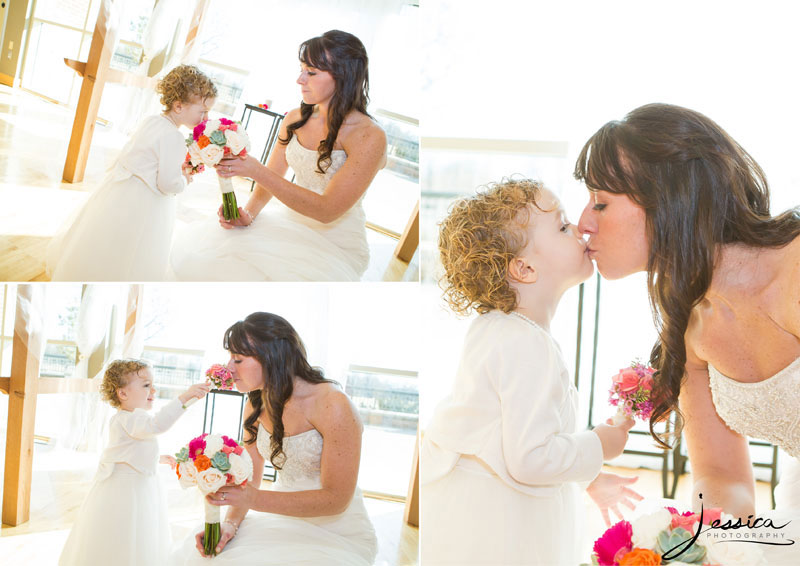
<point>226,532</point>
<point>236,495</point>
<point>244,219</point>
<point>609,490</point>
<point>237,166</point>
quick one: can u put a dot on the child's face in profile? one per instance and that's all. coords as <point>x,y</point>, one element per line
<point>555,247</point>
<point>139,393</point>
<point>192,113</point>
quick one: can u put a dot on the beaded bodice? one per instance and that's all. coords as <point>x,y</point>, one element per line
<point>303,162</point>
<point>767,410</point>
<point>301,466</point>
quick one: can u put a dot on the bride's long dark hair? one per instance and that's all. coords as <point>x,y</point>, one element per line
<point>699,189</point>
<point>272,341</point>
<point>343,56</point>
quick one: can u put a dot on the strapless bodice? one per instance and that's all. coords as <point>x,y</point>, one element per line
<point>301,467</point>
<point>768,410</point>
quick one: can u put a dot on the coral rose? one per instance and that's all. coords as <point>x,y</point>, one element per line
<point>640,557</point>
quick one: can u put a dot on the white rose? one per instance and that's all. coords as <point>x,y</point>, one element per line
<point>211,126</point>
<point>734,553</point>
<point>194,155</point>
<point>210,480</point>
<point>237,141</point>
<point>211,154</point>
<point>188,474</point>
<point>647,527</point>
<point>213,445</point>
<point>241,468</point>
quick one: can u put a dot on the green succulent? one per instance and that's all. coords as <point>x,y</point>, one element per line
<point>217,138</point>
<point>668,541</point>
<point>183,455</point>
<point>220,461</point>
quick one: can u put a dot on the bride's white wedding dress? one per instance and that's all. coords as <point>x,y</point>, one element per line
<point>769,410</point>
<point>281,244</point>
<point>267,539</point>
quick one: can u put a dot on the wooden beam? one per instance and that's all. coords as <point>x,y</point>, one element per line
<point>5,383</point>
<point>22,392</point>
<point>117,76</point>
<point>409,241</point>
<point>412,499</point>
<point>94,78</point>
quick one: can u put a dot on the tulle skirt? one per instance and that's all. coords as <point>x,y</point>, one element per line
<point>276,247</point>
<point>122,233</point>
<point>470,516</point>
<point>122,522</point>
<point>265,539</point>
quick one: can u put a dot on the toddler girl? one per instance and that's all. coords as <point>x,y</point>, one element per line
<point>124,231</point>
<point>503,458</point>
<point>123,520</point>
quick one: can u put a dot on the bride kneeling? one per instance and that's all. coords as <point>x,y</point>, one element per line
<point>309,430</point>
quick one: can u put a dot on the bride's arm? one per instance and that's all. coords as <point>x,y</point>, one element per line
<point>366,155</point>
<point>335,417</point>
<point>720,457</point>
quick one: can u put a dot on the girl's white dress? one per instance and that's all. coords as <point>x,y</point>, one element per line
<point>266,539</point>
<point>124,230</point>
<point>502,458</point>
<point>124,518</point>
<point>281,244</point>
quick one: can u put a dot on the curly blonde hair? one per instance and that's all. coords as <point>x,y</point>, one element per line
<point>478,240</point>
<point>182,83</point>
<point>118,375</point>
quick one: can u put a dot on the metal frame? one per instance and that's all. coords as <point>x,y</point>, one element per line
<point>274,129</point>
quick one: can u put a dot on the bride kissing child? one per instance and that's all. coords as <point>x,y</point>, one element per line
<point>123,520</point>
<point>503,459</point>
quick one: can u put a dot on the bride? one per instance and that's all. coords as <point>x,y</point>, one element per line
<point>310,432</point>
<point>318,230</point>
<point>673,194</point>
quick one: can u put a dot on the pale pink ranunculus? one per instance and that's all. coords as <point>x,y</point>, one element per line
<point>210,480</point>
<point>188,477</point>
<point>686,521</point>
<point>211,154</point>
<point>627,380</point>
<point>237,141</point>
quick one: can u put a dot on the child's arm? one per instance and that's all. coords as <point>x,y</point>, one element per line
<point>171,155</point>
<point>537,447</point>
<point>142,425</point>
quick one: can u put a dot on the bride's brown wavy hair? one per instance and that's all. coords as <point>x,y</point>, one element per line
<point>272,341</point>
<point>699,189</point>
<point>343,56</point>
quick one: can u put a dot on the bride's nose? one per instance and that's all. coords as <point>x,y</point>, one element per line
<point>587,223</point>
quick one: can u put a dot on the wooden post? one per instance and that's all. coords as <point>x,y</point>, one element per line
<point>410,239</point>
<point>94,79</point>
<point>412,499</point>
<point>22,391</point>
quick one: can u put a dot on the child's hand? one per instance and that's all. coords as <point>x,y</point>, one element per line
<point>613,437</point>
<point>608,490</point>
<point>187,172</point>
<point>196,391</point>
<point>169,460</point>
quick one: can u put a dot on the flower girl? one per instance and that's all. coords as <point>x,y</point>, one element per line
<point>124,520</point>
<point>502,459</point>
<point>124,231</point>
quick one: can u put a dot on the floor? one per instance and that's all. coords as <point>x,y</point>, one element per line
<point>34,135</point>
<point>58,489</point>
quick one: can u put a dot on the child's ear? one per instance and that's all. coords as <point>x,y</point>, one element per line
<point>522,271</point>
<point>122,394</point>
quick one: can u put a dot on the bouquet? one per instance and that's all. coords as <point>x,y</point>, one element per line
<point>209,462</point>
<point>220,376</point>
<point>666,537</point>
<point>211,140</point>
<point>630,392</point>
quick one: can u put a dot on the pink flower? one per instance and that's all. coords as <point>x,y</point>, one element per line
<point>197,446</point>
<point>647,382</point>
<point>228,441</point>
<point>615,539</point>
<point>238,450</point>
<point>227,450</point>
<point>685,521</point>
<point>627,380</point>
<point>233,127</point>
<point>225,122</point>
<point>198,130</point>
<point>711,515</point>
